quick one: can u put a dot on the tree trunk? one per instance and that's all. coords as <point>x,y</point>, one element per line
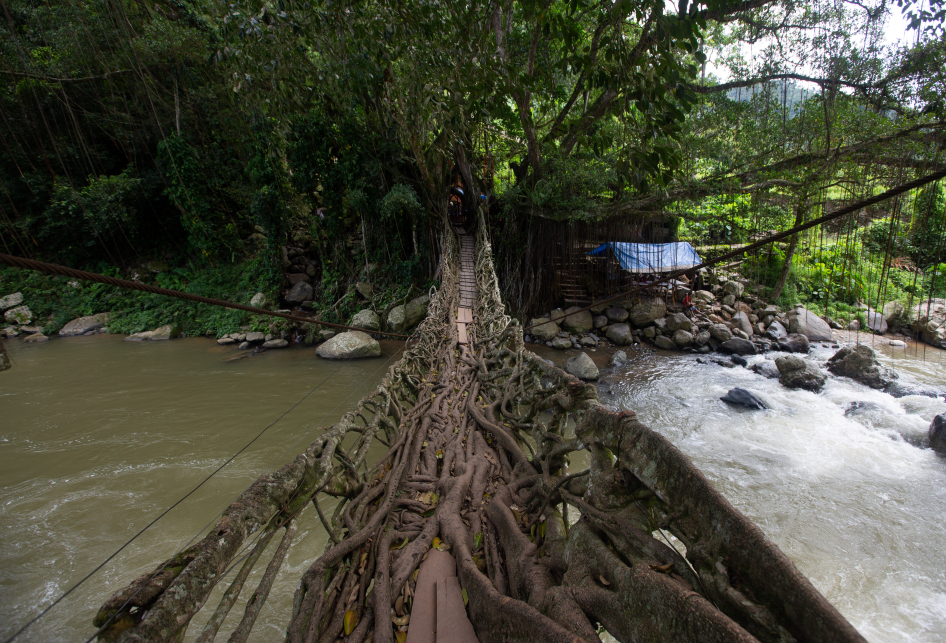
<point>801,213</point>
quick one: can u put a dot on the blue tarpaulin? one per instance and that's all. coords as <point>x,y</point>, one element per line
<point>650,257</point>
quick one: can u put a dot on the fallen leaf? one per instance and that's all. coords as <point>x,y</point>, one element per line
<point>401,545</point>
<point>662,568</point>
<point>477,540</point>
<point>604,581</point>
<point>351,620</point>
<point>466,597</point>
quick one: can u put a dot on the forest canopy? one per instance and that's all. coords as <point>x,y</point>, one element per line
<point>206,130</point>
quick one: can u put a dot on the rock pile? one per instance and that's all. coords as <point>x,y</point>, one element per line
<point>725,319</point>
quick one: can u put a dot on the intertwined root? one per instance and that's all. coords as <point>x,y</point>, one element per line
<point>479,439</point>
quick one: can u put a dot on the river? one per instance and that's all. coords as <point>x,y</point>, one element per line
<point>99,436</point>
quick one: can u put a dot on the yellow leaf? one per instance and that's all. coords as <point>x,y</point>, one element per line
<point>401,545</point>
<point>466,597</point>
<point>400,637</point>
<point>351,620</point>
<point>436,542</point>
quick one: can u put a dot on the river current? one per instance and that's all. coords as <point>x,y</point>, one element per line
<point>98,437</point>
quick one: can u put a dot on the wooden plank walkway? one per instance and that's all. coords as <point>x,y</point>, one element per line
<point>464,314</point>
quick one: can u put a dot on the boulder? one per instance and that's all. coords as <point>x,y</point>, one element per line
<point>578,321</point>
<point>299,293</point>
<point>83,325</point>
<point>900,389</point>
<point>619,359</point>
<point>259,300</point>
<point>875,321</point>
<point>741,321</point>
<point>767,369</point>
<point>929,321</point>
<point>720,333</point>
<point>588,340</point>
<point>582,367</point>
<point>255,337</point>
<point>601,321</point>
<point>244,345</point>
<point>561,343</point>
<point>35,338</point>
<point>776,332</point>
<point>702,338</point>
<point>733,288</point>
<point>11,301</point>
<point>678,321</point>
<point>665,343</point>
<point>854,325</point>
<point>276,343</point>
<point>349,345</point>
<point>557,316</point>
<point>616,314</point>
<point>416,310</point>
<point>297,278</point>
<point>226,341</point>
<point>543,329</point>
<point>646,312</point>
<point>799,373</point>
<point>804,322</point>
<point>738,346</point>
<point>21,315</point>
<point>682,338</point>
<point>892,311</point>
<point>397,318</point>
<point>620,334</point>
<point>650,332</point>
<point>367,319</point>
<point>365,290</point>
<point>704,296</point>
<point>742,397</point>
<point>729,300</point>
<point>794,343</point>
<point>860,364</point>
<point>938,433</point>
<point>739,360</point>
<point>161,333</point>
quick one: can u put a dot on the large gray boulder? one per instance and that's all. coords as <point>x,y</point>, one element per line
<point>938,433</point>
<point>665,343</point>
<point>561,343</point>
<point>799,373</point>
<point>893,310</point>
<point>620,334</point>
<point>582,367</point>
<point>741,321</point>
<point>804,322</point>
<point>901,389</point>
<point>738,346</point>
<point>299,293</point>
<point>794,343</point>
<point>365,290</point>
<point>875,321</point>
<point>767,369</point>
<point>416,310</point>
<point>161,333</point>
<point>11,301</point>
<point>259,300</point>
<point>367,319</point>
<point>742,397</point>
<point>616,314</point>
<point>929,320</point>
<point>733,288</point>
<point>776,331</point>
<point>21,315</point>
<point>618,359</point>
<point>84,324</point>
<point>349,345</point>
<point>720,333</point>
<point>704,296</point>
<point>543,329</point>
<point>682,338</point>
<point>678,321</point>
<point>578,321</point>
<point>860,363</point>
<point>646,312</point>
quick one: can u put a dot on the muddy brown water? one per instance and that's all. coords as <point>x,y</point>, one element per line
<point>99,436</point>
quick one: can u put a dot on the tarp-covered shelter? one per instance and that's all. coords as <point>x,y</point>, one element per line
<point>650,257</point>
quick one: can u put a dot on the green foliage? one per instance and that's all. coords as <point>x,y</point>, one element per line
<point>400,203</point>
<point>57,300</point>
